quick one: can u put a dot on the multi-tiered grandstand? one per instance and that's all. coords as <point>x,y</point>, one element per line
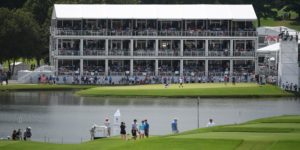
<point>153,40</point>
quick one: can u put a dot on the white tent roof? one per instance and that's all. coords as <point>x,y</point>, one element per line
<point>210,12</point>
<point>271,48</point>
<point>266,30</point>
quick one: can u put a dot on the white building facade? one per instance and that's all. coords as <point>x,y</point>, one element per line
<point>153,40</point>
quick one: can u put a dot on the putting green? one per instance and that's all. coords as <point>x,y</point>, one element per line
<point>189,90</point>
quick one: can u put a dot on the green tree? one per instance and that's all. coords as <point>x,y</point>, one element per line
<point>18,35</point>
<point>263,8</point>
<point>40,10</point>
<point>11,4</point>
<point>292,5</point>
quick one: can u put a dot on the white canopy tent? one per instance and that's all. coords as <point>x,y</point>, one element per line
<point>271,48</point>
<point>274,31</point>
<point>209,12</point>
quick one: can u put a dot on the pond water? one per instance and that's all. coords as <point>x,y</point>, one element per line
<point>62,117</point>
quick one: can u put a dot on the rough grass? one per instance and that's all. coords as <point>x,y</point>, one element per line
<point>267,137</point>
<point>189,90</point>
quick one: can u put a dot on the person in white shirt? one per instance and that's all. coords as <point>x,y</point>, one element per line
<point>107,124</point>
<point>210,123</point>
<point>180,82</point>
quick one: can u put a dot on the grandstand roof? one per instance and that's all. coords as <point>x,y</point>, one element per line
<point>163,12</point>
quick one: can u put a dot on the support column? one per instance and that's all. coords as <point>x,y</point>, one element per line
<point>106,67</point>
<point>231,68</point>
<point>206,68</point>
<point>156,47</point>
<point>206,47</point>
<point>81,47</point>
<point>231,47</point>
<point>131,67</point>
<point>181,67</point>
<point>56,66</point>
<point>56,47</point>
<point>81,67</point>
<point>106,47</point>
<point>256,58</point>
<point>131,47</point>
<point>156,67</point>
<point>181,47</point>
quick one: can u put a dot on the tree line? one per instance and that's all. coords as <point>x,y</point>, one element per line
<point>24,25</point>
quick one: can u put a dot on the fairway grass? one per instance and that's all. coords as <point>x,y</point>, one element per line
<point>213,138</point>
<point>189,90</point>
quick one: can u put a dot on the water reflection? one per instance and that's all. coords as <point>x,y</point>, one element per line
<point>57,115</point>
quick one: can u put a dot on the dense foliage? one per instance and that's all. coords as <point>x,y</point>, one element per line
<point>24,26</point>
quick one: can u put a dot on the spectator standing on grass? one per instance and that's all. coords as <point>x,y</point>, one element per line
<point>146,128</point>
<point>107,124</point>
<point>233,80</point>
<point>180,82</point>
<point>8,74</point>
<point>19,134</point>
<point>14,135</point>
<point>134,129</point>
<point>5,78</point>
<point>27,134</point>
<point>110,80</point>
<point>210,123</point>
<point>65,79</point>
<point>142,130</point>
<point>123,131</point>
<point>174,126</point>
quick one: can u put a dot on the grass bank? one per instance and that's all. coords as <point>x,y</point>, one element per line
<point>276,133</point>
<point>42,87</point>
<point>189,90</point>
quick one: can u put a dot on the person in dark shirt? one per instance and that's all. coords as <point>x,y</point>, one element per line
<point>14,135</point>
<point>123,131</point>
<point>146,128</point>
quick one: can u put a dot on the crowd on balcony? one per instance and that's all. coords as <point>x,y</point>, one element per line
<point>116,68</point>
<point>218,49</point>
<point>152,27</point>
<point>140,69</point>
<point>68,70</point>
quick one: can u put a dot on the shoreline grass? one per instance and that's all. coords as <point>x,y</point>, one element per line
<point>256,134</point>
<point>42,87</point>
<point>207,90</point>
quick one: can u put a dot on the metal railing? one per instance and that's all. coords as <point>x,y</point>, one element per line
<point>93,73</point>
<point>68,52</point>
<point>119,53</point>
<point>67,73</point>
<point>166,73</point>
<point>144,53</point>
<point>193,53</point>
<point>168,53</point>
<point>93,52</point>
<point>216,73</point>
<point>117,73</point>
<point>243,53</point>
<point>104,32</point>
<point>143,73</point>
<point>218,53</point>
<point>202,73</point>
